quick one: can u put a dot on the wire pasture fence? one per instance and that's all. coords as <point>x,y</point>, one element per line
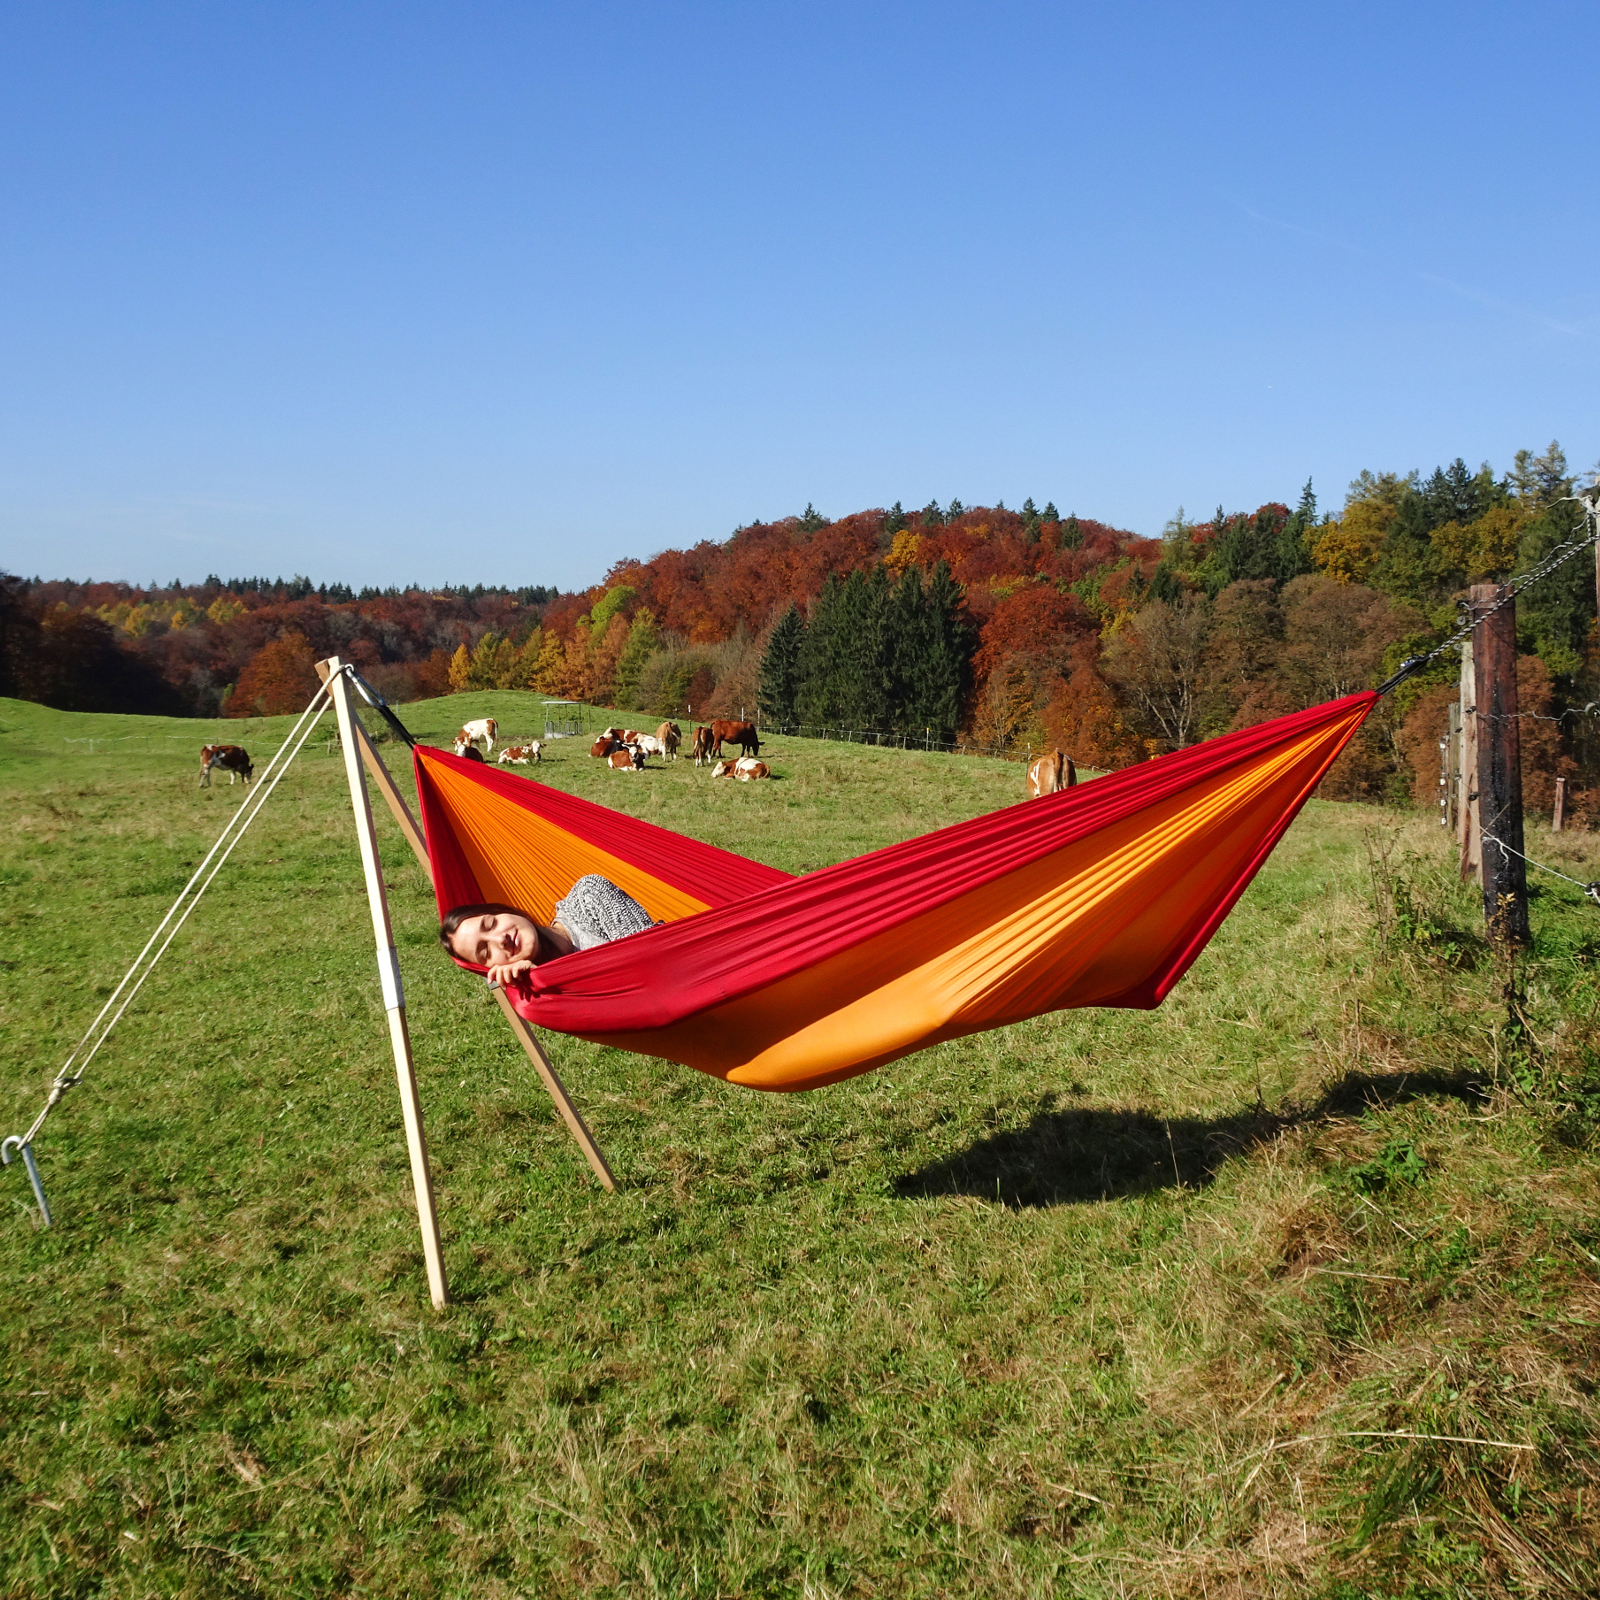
<point>1000,750</point>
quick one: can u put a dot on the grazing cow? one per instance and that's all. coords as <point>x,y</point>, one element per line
<point>1050,773</point>
<point>521,754</point>
<point>626,758</point>
<point>700,747</point>
<point>230,757</point>
<point>671,736</point>
<point>723,769</point>
<point>485,728</point>
<point>603,746</point>
<point>744,769</point>
<point>742,734</point>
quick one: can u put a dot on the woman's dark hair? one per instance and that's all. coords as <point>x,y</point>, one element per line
<point>454,919</point>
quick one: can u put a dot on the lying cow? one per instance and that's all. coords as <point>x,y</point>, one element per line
<point>626,758</point>
<point>485,728</point>
<point>649,743</point>
<point>231,758</point>
<point>670,736</point>
<point>745,768</point>
<point>742,734</point>
<point>520,755</point>
<point>604,745</point>
<point>1051,773</point>
<point>700,747</point>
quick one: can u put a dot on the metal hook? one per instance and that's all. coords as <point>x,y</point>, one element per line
<point>33,1172</point>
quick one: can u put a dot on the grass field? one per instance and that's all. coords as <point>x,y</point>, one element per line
<point>1290,1287</point>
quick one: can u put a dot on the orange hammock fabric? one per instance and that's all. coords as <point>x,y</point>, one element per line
<point>1100,895</point>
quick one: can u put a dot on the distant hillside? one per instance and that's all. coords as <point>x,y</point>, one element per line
<point>999,627</point>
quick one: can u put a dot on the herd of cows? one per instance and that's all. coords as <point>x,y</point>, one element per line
<point>626,750</point>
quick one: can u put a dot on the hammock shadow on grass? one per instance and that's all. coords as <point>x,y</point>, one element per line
<point>1071,1156</point>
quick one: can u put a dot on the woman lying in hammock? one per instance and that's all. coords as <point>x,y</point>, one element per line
<point>508,942</point>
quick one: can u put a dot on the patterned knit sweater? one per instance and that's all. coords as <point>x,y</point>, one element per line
<point>596,911</point>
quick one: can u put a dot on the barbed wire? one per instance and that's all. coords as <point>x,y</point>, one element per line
<point>1557,557</point>
<point>1591,890</point>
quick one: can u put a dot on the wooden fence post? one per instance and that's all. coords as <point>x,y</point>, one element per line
<point>1494,657</point>
<point>1467,818</point>
<point>1455,798</point>
<point>1558,819</point>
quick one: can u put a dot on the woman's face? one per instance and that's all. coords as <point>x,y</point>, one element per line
<point>496,937</point>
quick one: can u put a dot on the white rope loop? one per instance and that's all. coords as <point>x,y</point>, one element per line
<point>237,824</point>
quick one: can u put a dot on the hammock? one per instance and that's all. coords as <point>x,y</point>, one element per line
<point>1100,895</point>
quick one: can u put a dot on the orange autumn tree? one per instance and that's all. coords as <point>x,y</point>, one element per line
<point>280,677</point>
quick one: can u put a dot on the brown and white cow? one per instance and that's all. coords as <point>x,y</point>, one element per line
<point>603,746</point>
<point>232,758</point>
<point>670,736</point>
<point>626,758</point>
<point>723,769</point>
<point>1050,773</point>
<point>521,754</point>
<point>485,728</point>
<point>744,769</point>
<point>742,734</point>
<point>700,747</point>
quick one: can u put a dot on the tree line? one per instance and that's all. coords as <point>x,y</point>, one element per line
<point>1026,627</point>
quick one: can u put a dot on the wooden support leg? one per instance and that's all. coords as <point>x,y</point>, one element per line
<point>526,1037</point>
<point>529,1041</point>
<point>393,995</point>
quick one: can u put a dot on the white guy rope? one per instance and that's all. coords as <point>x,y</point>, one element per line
<point>236,825</point>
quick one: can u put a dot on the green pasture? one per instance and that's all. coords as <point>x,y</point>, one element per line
<point>1291,1287</point>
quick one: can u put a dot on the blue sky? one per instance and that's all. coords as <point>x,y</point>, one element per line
<point>493,293</point>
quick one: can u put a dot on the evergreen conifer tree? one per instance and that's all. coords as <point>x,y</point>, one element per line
<point>948,661</point>
<point>870,656</point>
<point>1030,521</point>
<point>779,693</point>
<point>1071,533</point>
<point>910,634</point>
<point>819,699</point>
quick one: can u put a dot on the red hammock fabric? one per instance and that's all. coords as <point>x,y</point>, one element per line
<point>1100,895</point>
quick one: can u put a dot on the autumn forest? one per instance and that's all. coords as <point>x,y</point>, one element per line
<point>981,627</point>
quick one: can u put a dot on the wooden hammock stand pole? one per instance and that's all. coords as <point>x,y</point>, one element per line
<point>526,1037</point>
<point>394,1000</point>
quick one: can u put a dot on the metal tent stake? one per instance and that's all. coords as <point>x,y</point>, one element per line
<point>394,1002</point>
<point>33,1173</point>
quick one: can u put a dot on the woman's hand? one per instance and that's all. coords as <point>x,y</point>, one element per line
<point>505,973</point>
